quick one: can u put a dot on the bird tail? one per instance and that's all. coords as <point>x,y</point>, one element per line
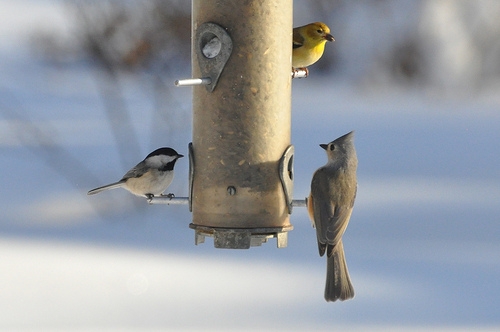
<point>338,284</point>
<point>115,185</point>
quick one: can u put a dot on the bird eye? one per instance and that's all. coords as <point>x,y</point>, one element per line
<point>319,31</point>
<point>332,147</point>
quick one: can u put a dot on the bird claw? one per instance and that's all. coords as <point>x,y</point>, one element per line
<point>150,197</point>
<point>300,72</point>
<point>170,195</point>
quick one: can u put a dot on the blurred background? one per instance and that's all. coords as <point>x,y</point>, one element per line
<point>86,91</point>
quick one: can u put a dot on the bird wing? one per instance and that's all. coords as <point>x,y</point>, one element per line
<point>331,214</point>
<point>136,171</point>
<point>298,39</point>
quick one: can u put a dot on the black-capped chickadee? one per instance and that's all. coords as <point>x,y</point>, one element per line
<point>151,177</point>
<point>330,204</point>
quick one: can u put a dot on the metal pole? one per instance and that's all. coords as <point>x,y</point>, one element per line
<point>241,125</point>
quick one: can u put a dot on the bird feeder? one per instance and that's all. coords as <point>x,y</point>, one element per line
<point>241,158</point>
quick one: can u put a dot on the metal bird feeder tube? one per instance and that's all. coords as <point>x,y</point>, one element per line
<point>241,121</point>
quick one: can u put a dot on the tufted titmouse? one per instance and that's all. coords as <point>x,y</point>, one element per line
<point>151,177</point>
<point>330,203</point>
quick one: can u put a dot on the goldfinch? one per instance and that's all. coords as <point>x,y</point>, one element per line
<point>309,43</point>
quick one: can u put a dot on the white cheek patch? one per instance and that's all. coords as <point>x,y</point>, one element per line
<point>159,161</point>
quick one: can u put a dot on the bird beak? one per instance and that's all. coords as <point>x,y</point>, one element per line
<point>324,146</point>
<point>180,156</point>
<point>329,37</point>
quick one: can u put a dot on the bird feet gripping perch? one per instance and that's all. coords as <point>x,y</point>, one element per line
<point>151,196</point>
<point>300,72</point>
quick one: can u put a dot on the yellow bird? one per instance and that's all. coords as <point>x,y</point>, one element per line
<point>309,43</point>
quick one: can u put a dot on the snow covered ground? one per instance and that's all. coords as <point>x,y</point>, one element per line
<point>422,246</point>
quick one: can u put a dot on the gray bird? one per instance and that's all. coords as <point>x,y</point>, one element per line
<point>330,203</point>
<point>151,177</point>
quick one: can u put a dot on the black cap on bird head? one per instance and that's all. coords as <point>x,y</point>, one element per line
<point>164,151</point>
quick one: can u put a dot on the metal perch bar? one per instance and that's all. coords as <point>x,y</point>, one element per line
<point>185,200</point>
<point>169,200</point>
<point>300,72</point>
<point>193,81</point>
<point>299,203</point>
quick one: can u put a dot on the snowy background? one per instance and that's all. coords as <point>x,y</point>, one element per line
<point>419,81</point>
